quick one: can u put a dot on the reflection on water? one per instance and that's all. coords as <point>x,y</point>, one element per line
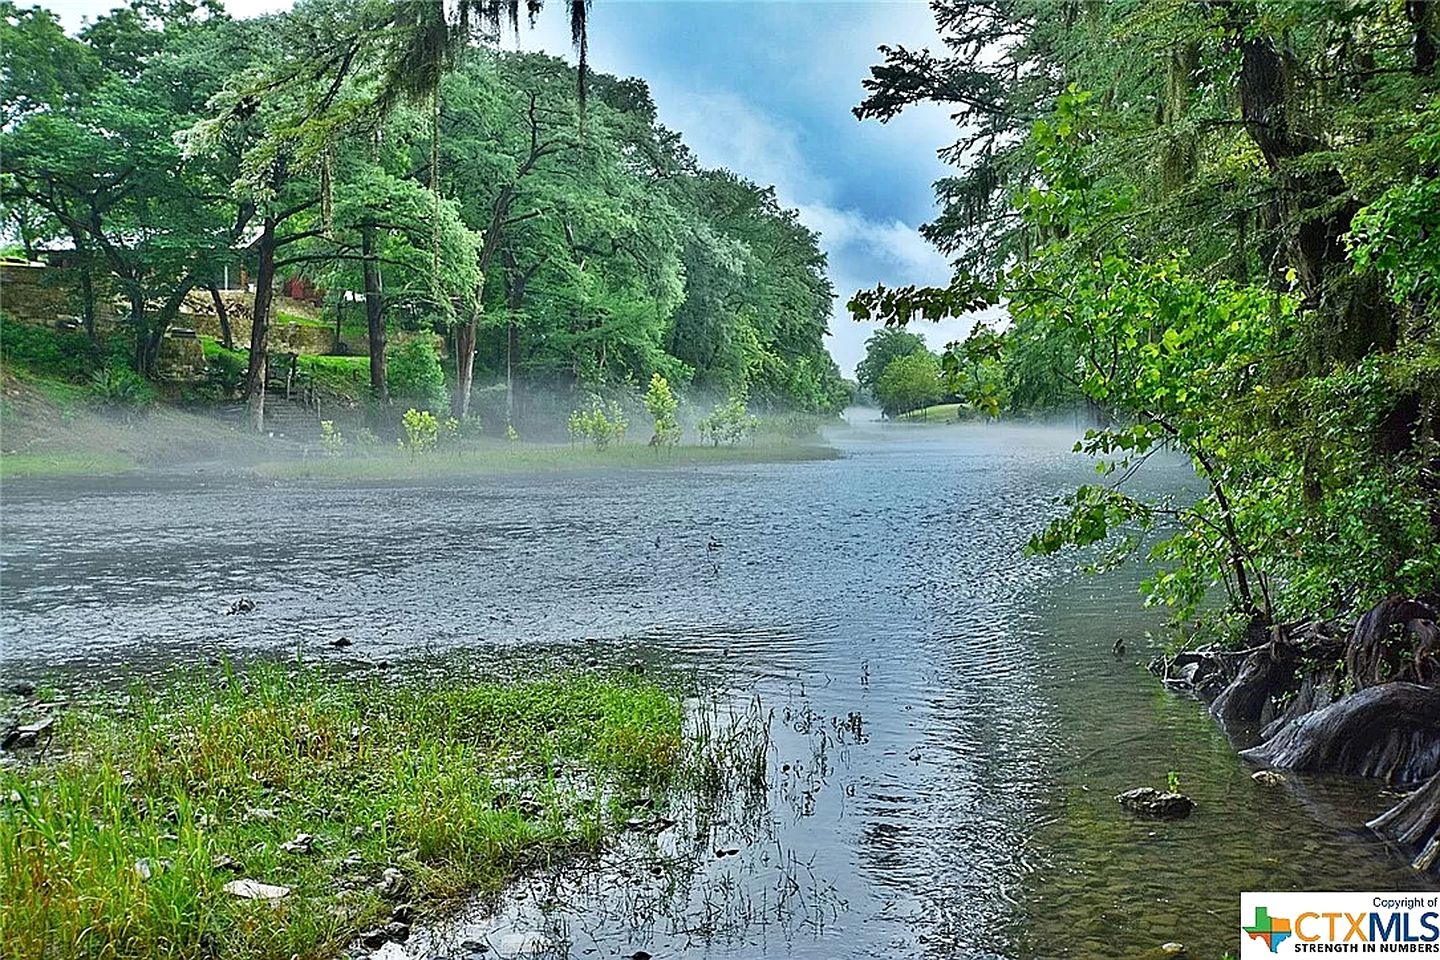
<point>950,726</point>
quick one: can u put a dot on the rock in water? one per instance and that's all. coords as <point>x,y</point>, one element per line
<point>1174,948</point>
<point>1149,802</point>
<point>21,688</point>
<point>1269,778</point>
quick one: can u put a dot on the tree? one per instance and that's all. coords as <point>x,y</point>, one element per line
<point>908,383</point>
<point>885,345</point>
<point>1199,242</point>
<point>662,406</point>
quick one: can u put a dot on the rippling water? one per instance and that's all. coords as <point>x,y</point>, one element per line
<point>968,812</point>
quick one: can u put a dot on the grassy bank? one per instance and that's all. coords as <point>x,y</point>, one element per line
<point>502,458</point>
<point>357,796</point>
<point>939,413</point>
<point>61,464</point>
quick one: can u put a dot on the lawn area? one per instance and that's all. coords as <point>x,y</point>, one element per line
<point>939,413</point>
<point>500,457</point>
<point>361,802</point>
<point>14,465</point>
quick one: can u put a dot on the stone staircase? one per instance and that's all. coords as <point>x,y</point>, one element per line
<point>290,419</point>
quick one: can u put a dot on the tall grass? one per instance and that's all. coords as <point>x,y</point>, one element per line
<point>120,846</point>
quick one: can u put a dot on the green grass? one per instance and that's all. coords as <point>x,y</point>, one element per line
<point>459,786</point>
<point>939,413</point>
<point>497,457</point>
<point>349,376</point>
<point>14,465</point>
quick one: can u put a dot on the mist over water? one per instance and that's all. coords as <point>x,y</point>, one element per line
<point>968,810</point>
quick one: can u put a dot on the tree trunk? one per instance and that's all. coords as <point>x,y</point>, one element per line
<point>374,314</point>
<point>512,343</point>
<point>1418,11</point>
<point>87,301</point>
<point>1314,224</point>
<point>260,326</point>
<point>464,364</point>
<point>137,326</point>
<point>222,313</point>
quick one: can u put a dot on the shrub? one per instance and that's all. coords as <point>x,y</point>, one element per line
<point>730,422</point>
<point>120,387</point>
<point>661,403</point>
<point>421,431</point>
<point>43,350</point>
<point>414,374</point>
<point>601,425</point>
<point>331,439</point>
<point>224,369</point>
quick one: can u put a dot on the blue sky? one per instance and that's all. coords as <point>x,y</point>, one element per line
<point>765,89</point>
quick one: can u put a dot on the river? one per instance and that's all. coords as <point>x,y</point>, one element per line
<point>951,725</point>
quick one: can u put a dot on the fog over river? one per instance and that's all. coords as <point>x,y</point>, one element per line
<point>950,724</point>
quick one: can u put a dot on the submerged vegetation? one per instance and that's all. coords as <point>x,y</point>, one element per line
<point>365,800</point>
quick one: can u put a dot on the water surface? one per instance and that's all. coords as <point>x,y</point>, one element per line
<point>950,724</point>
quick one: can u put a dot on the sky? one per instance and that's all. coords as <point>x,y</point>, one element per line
<point>765,89</point>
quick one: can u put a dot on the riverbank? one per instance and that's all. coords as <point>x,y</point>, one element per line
<point>488,459</point>
<point>285,813</point>
<point>1341,699</point>
<point>51,430</point>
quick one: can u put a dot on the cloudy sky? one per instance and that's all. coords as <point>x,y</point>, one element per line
<point>765,88</point>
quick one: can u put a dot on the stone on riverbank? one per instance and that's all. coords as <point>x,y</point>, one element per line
<point>1149,802</point>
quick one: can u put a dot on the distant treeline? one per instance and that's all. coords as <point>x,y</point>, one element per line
<point>578,244</point>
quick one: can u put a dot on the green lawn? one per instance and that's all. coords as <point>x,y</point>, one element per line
<point>119,844</point>
<point>939,413</point>
<point>63,464</point>
<point>499,457</point>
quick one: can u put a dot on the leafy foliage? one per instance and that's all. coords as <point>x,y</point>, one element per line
<point>422,431</point>
<point>603,424</point>
<point>662,405</point>
<point>730,422</point>
<point>1223,247</point>
<point>909,383</point>
<point>414,374</point>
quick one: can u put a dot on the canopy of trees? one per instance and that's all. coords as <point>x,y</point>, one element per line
<point>550,230</point>
<point>1214,224</point>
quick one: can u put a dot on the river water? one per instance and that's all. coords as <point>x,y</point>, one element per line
<point>950,725</point>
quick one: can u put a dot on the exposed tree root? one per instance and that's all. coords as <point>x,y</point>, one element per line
<point>1390,731</point>
<point>1413,824</point>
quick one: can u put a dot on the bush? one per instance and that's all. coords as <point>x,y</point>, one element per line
<point>225,369</point>
<point>414,375</point>
<point>661,403</point>
<point>46,351</point>
<point>331,439</point>
<point>601,425</point>
<point>422,430</point>
<point>730,422</point>
<point>121,388</point>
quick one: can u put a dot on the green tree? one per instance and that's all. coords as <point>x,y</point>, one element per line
<point>908,383</point>
<point>883,346</point>
<point>662,406</point>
